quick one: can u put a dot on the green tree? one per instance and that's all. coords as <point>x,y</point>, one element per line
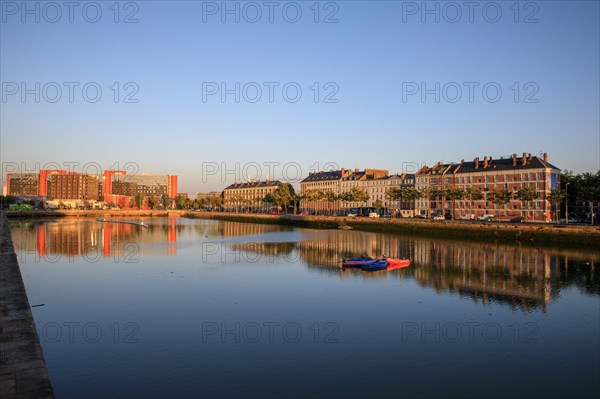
<point>526,195</point>
<point>331,198</point>
<point>5,201</point>
<point>556,197</point>
<point>500,197</point>
<point>592,195</point>
<point>410,194</point>
<point>378,205</point>
<point>151,202</point>
<point>473,194</point>
<point>284,195</point>
<point>358,195</point>
<point>430,194</point>
<point>166,202</point>
<point>138,201</point>
<point>453,193</point>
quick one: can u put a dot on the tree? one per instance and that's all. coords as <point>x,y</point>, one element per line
<point>556,197</point>
<point>330,197</point>
<point>453,193</point>
<point>430,194</point>
<point>358,195</point>
<point>526,195</point>
<point>5,201</point>
<point>592,195</point>
<point>378,205</point>
<point>314,195</point>
<point>270,199</point>
<point>151,202</point>
<point>284,195</point>
<point>166,201</point>
<point>473,194</point>
<point>411,194</point>
<point>139,201</point>
<point>500,197</point>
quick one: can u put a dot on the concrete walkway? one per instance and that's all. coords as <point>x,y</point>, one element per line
<point>23,372</point>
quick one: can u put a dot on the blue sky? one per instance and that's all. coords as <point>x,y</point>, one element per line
<point>544,59</point>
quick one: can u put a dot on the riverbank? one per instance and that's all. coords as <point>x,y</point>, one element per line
<point>587,237</point>
<point>23,373</point>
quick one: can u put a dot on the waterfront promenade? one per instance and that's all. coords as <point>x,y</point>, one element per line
<point>23,372</point>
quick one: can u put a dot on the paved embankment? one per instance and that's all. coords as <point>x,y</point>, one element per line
<point>587,237</point>
<point>23,372</point>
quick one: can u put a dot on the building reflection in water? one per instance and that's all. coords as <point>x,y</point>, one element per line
<point>522,277</point>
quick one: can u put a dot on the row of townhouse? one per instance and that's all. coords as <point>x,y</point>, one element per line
<point>375,182</point>
<point>510,173</point>
<point>250,195</point>
<point>321,191</point>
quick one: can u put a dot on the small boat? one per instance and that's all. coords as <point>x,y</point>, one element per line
<point>356,262</point>
<point>397,263</point>
<point>375,265</point>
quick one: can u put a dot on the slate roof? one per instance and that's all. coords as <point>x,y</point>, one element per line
<point>323,176</point>
<point>253,185</point>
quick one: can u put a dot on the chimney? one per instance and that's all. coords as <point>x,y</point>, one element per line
<point>476,160</point>
<point>485,162</point>
<point>514,157</point>
<point>545,157</point>
<point>355,170</point>
<point>267,181</point>
<point>343,170</point>
<point>235,184</point>
<point>524,159</point>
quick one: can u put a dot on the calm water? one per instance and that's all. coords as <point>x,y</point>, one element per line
<point>192,308</point>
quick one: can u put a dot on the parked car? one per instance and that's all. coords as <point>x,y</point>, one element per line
<point>373,215</point>
<point>439,217</point>
<point>448,216</point>
<point>418,216</point>
<point>571,220</point>
<point>486,218</point>
<point>518,219</point>
<point>351,215</point>
<point>467,217</point>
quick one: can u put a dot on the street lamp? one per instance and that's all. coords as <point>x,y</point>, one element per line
<point>567,203</point>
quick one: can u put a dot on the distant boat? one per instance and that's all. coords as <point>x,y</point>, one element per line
<point>375,265</point>
<point>385,264</point>
<point>140,224</point>
<point>356,262</point>
<point>397,263</point>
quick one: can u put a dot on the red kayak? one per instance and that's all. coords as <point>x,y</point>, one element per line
<point>397,263</point>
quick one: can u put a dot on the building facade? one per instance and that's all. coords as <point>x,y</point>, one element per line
<point>484,176</point>
<point>249,196</point>
<point>73,186</point>
<point>327,182</point>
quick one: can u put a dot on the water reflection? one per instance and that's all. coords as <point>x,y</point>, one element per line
<point>520,277</point>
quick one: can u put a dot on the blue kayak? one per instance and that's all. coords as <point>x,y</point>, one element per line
<point>356,262</point>
<point>375,265</point>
